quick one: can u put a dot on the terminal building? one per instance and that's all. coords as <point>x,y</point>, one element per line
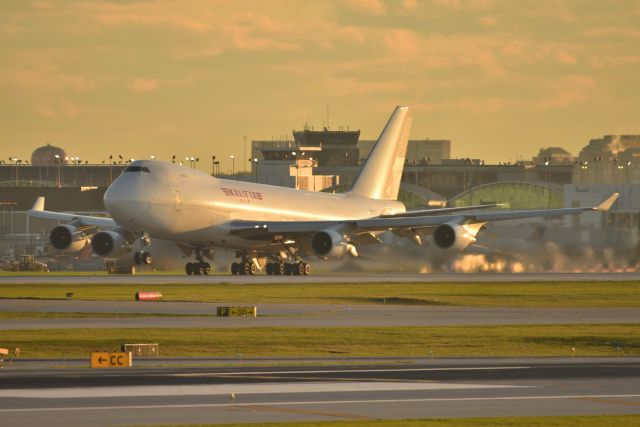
<point>329,160</point>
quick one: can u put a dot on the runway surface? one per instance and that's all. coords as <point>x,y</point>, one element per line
<point>422,389</point>
<point>202,315</point>
<point>324,278</point>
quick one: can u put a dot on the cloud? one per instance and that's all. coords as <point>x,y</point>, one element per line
<point>571,90</point>
<point>489,20</point>
<point>353,86</point>
<point>613,61</point>
<point>143,85</point>
<point>372,7</point>
<point>482,105</point>
<point>466,5</point>
<point>622,32</point>
<point>410,4</point>
<point>566,58</point>
<point>60,110</point>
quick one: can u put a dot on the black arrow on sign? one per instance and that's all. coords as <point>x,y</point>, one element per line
<point>101,360</point>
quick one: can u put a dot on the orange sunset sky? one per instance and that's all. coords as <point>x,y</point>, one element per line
<point>499,78</point>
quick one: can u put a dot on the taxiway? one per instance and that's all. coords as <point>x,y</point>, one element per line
<point>202,315</point>
<point>421,389</point>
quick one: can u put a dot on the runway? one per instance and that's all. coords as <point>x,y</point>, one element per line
<point>415,389</point>
<point>372,277</point>
<point>202,315</point>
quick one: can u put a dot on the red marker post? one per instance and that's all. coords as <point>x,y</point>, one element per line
<point>148,296</point>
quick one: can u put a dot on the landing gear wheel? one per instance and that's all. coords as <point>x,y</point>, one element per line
<point>306,268</point>
<point>137,259</point>
<point>199,268</point>
<point>252,268</point>
<point>145,257</point>
<point>280,269</point>
<point>235,268</point>
<point>299,269</point>
<point>206,268</point>
<point>246,268</point>
<point>189,269</point>
<point>270,269</point>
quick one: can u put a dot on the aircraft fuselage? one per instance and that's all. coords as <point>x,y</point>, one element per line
<point>174,202</point>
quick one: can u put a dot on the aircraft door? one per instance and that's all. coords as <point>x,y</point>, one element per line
<point>178,200</point>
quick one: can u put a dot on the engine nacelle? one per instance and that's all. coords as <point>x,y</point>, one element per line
<point>67,238</point>
<point>329,243</point>
<point>109,244</point>
<point>453,236</point>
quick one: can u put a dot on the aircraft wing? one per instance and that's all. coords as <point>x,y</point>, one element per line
<point>281,230</point>
<point>439,211</point>
<point>37,211</point>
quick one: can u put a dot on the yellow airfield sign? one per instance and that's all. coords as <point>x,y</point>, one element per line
<point>103,359</point>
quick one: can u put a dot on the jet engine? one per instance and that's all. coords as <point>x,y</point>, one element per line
<point>329,243</point>
<point>67,238</point>
<point>453,236</point>
<point>109,244</point>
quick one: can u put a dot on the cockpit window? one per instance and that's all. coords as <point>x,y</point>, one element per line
<point>137,169</point>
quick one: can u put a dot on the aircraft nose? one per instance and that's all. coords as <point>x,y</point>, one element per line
<point>120,199</point>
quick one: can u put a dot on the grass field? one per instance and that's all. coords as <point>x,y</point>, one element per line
<point>542,294</point>
<point>521,340</point>
<point>566,421</point>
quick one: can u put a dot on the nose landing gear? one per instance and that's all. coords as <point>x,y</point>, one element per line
<point>142,258</point>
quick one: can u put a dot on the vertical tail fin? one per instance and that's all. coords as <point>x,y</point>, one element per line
<point>380,175</point>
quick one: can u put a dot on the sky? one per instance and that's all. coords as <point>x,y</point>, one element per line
<point>501,79</point>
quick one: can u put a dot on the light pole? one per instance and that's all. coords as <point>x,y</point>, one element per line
<point>295,161</point>
<point>14,160</point>
<point>233,166</point>
<point>110,164</point>
<point>255,166</point>
<point>58,161</point>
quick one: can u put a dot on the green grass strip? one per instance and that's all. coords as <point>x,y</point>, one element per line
<point>475,341</point>
<point>532,294</point>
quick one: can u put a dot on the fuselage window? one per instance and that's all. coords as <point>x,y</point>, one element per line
<point>137,169</point>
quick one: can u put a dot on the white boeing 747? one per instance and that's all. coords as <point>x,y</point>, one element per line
<point>270,227</point>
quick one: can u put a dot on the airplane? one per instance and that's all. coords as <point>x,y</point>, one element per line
<point>271,228</point>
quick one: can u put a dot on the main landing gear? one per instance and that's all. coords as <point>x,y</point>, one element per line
<point>278,268</point>
<point>282,268</point>
<point>198,268</point>
<point>246,267</point>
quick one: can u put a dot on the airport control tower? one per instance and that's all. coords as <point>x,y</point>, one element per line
<point>337,148</point>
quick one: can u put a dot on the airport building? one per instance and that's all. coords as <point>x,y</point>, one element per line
<point>329,160</point>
